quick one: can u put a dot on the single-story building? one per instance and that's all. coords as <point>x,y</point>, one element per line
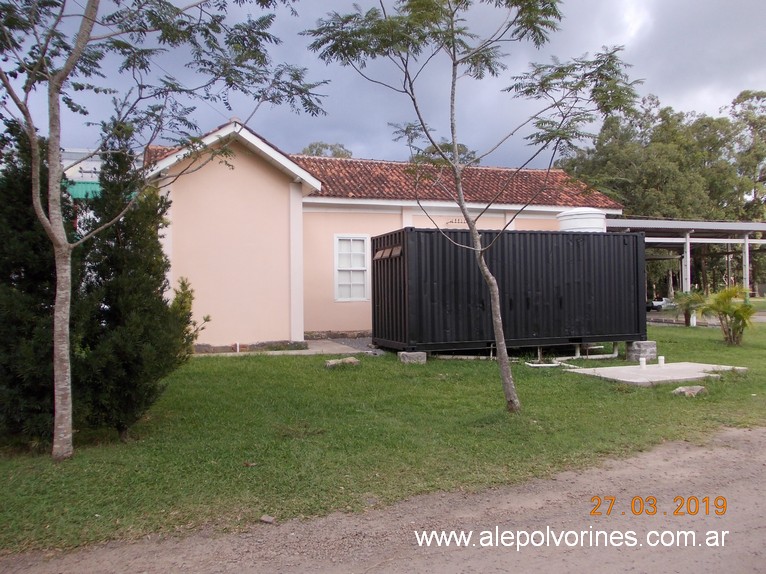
<point>277,246</point>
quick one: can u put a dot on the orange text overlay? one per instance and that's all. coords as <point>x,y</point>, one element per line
<point>648,505</point>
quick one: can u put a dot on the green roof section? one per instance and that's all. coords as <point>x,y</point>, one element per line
<point>84,189</point>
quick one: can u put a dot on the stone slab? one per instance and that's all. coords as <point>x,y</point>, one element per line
<point>346,361</point>
<point>692,391</point>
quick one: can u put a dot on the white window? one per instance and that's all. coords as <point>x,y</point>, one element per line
<point>352,276</point>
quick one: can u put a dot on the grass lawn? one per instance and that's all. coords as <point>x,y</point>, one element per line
<point>235,438</point>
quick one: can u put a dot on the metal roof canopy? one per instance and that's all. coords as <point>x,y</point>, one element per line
<point>676,234</point>
<point>674,231</point>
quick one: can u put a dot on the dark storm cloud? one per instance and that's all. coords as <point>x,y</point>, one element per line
<point>694,55</point>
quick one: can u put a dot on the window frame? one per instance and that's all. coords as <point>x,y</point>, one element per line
<point>337,270</point>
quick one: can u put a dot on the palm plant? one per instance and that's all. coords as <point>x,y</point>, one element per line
<point>734,316</point>
<point>687,303</point>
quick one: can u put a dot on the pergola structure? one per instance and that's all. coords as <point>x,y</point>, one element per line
<point>678,235</point>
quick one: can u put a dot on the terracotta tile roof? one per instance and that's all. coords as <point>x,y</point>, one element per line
<point>372,179</point>
<point>155,153</point>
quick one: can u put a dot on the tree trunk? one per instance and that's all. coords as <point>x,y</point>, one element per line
<point>671,292</point>
<point>704,269</point>
<point>62,372</point>
<point>512,402</point>
<point>55,227</point>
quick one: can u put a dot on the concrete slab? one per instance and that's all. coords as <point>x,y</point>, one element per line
<point>315,347</point>
<point>321,347</point>
<point>655,374</point>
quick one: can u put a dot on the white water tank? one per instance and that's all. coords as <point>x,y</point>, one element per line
<point>586,219</point>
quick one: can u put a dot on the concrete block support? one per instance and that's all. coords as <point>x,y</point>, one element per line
<point>641,350</point>
<point>418,358</point>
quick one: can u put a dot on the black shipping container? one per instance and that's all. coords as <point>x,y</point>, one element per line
<point>555,287</point>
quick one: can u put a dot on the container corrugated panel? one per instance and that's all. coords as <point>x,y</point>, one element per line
<point>555,288</point>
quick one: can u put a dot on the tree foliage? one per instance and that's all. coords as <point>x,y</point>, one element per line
<point>416,36</point>
<point>132,337</point>
<point>434,154</point>
<point>27,287</point>
<point>748,111</point>
<point>126,335</point>
<point>662,163</point>
<point>323,149</point>
<point>63,49</point>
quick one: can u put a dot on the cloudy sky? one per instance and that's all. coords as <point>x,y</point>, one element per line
<point>695,55</point>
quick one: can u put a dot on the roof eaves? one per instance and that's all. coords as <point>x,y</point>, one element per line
<point>242,133</point>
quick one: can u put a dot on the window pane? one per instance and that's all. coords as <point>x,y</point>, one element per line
<point>357,277</point>
<point>357,291</point>
<point>358,260</point>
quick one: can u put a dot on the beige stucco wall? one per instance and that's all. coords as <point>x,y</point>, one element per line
<point>493,220</point>
<point>322,311</point>
<point>538,223</point>
<point>229,235</point>
<point>456,221</point>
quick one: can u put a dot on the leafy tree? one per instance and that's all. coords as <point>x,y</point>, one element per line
<point>662,163</point>
<point>660,266</point>
<point>60,50</point>
<point>433,154</point>
<point>322,149</point>
<point>133,336</point>
<point>416,35</point>
<point>27,286</point>
<point>748,111</point>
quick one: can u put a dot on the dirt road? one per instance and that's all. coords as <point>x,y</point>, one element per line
<point>731,465</point>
